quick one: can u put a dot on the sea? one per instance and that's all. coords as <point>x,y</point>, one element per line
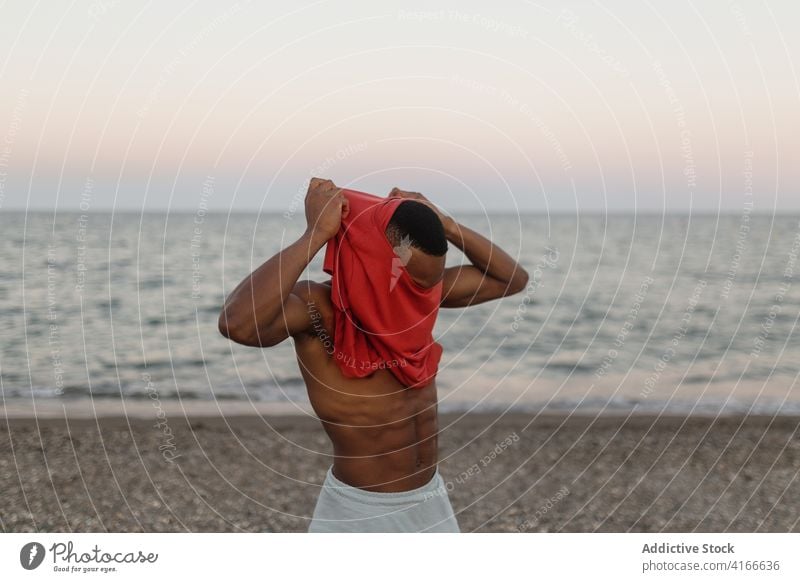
<point>623,313</point>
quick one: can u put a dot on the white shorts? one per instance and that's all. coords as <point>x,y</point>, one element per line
<point>344,508</point>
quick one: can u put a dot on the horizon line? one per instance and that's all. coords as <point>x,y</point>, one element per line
<point>600,212</point>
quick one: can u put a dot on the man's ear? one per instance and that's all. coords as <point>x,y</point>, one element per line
<point>403,250</point>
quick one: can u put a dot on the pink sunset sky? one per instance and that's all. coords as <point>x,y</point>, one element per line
<point>505,106</point>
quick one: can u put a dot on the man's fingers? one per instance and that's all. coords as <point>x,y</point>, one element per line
<point>322,185</point>
<point>398,193</point>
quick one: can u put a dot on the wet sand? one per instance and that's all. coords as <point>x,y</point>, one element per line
<point>505,473</point>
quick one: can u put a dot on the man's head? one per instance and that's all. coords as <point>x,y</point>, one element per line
<point>417,234</point>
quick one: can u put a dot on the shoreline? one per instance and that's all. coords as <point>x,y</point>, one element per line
<point>480,421</point>
<point>18,409</point>
<point>143,408</point>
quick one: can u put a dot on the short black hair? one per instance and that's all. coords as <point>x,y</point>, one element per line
<point>421,225</point>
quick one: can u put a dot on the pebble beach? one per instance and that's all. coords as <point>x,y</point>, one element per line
<point>504,473</point>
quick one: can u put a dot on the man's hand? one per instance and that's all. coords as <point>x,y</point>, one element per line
<point>270,304</point>
<point>448,223</point>
<point>326,206</point>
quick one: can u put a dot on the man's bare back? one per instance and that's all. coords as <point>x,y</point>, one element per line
<point>383,434</point>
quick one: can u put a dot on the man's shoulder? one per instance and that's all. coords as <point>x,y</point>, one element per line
<point>316,295</point>
<point>309,290</point>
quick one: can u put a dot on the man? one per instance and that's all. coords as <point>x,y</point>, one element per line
<point>384,431</point>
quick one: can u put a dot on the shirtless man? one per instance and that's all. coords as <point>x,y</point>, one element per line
<point>384,435</point>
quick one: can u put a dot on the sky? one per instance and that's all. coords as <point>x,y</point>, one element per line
<point>509,106</point>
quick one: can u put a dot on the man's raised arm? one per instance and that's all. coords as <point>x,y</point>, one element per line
<point>264,309</point>
<point>492,274</point>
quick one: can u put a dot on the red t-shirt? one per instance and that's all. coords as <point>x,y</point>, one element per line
<point>383,319</point>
